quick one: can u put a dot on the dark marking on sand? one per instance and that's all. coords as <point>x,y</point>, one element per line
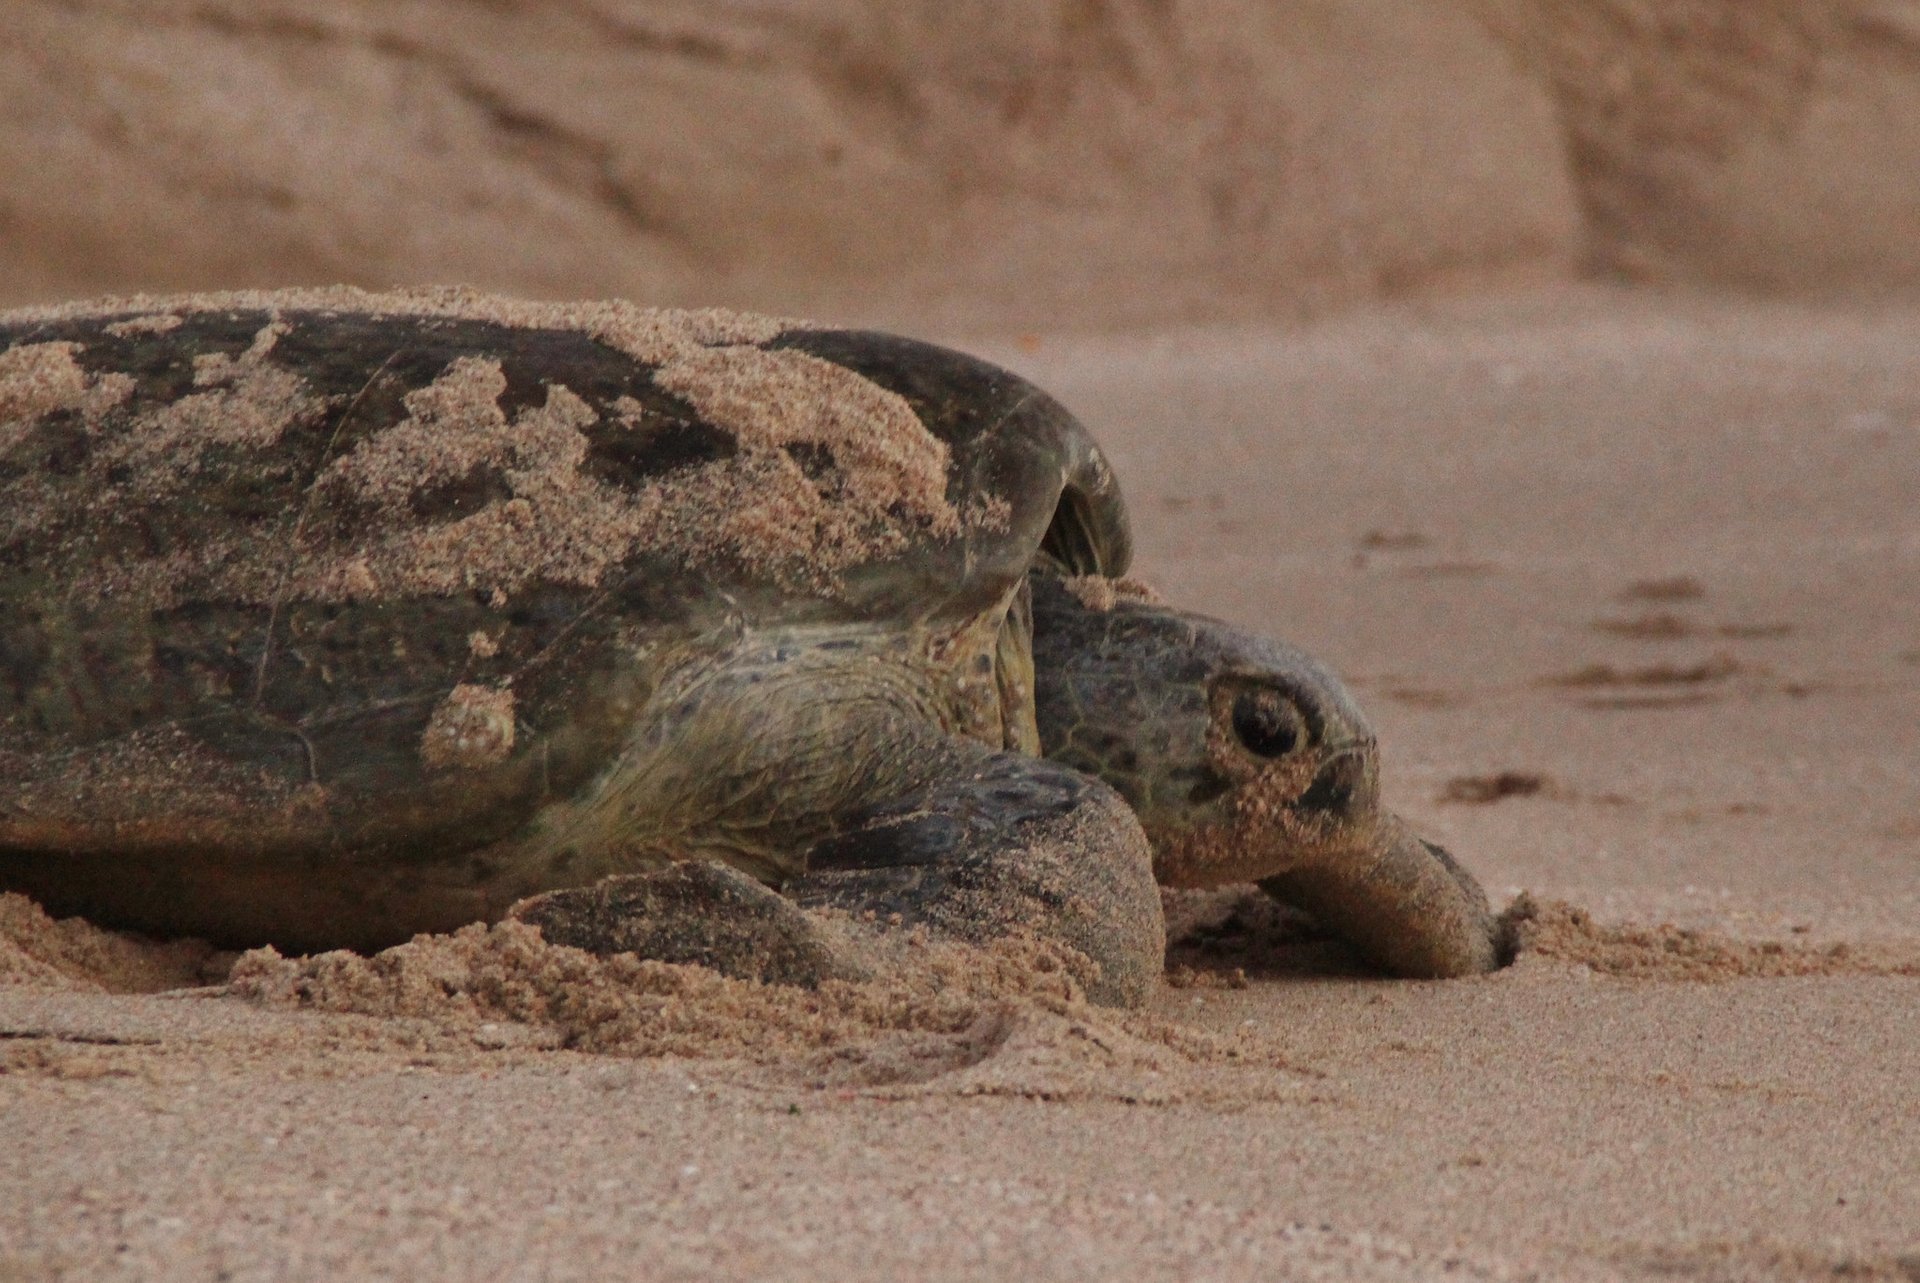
<point>1724,1262</point>
<point>1660,625</point>
<point>1450,570</point>
<point>1421,697</point>
<point>1674,588</point>
<point>1393,541</point>
<point>79,1037</point>
<point>1714,668</point>
<point>1665,625</point>
<point>1617,703</point>
<point>1482,790</point>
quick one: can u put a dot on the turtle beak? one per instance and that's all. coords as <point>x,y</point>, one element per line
<point>1346,788</point>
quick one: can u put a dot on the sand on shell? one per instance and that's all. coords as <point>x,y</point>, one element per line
<point>881,488</point>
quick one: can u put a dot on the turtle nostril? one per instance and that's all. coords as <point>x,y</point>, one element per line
<point>1267,723</point>
<point>1334,789</point>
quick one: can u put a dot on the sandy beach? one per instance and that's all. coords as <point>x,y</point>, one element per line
<point>1550,369</point>
<point>1626,582</point>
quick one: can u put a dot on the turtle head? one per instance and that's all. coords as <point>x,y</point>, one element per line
<point>1246,760</point>
<point>1242,756</point>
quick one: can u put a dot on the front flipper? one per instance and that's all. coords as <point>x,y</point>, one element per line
<point>703,914</point>
<point>993,845</point>
<point>1404,903</point>
<point>997,845</point>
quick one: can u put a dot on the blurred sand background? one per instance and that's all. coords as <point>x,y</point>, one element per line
<point>1551,368</point>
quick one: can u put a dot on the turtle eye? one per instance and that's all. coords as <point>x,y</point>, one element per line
<point>1267,723</point>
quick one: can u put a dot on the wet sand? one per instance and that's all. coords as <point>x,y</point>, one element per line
<point>1628,584</point>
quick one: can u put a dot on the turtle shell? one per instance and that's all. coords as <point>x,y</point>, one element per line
<point>272,565</point>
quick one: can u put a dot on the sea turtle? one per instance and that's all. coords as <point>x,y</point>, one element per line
<point>327,618</point>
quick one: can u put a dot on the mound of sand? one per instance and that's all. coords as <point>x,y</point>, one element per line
<point>1019,160</point>
<point>1556,931</point>
<point>942,1017</point>
<point>1009,1020</point>
<point>73,954</point>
